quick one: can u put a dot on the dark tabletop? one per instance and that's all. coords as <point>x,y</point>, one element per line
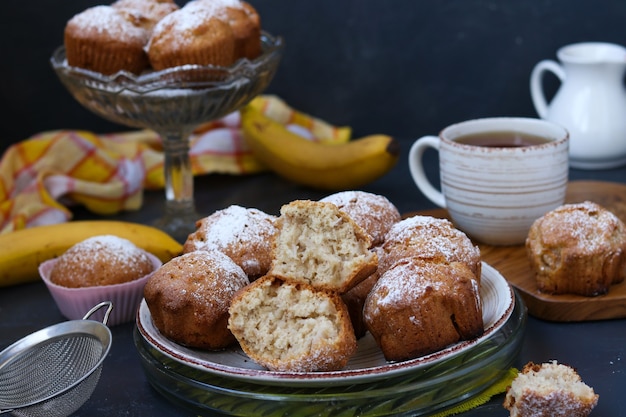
<point>405,70</point>
<point>596,349</point>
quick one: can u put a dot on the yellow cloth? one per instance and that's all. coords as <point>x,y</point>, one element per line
<point>498,387</point>
<point>43,175</point>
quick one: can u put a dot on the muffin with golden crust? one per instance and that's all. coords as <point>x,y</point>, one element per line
<point>189,297</point>
<point>373,212</point>
<point>431,239</point>
<point>252,37</point>
<point>191,35</point>
<point>243,20</point>
<point>243,234</point>
<point>577,249</point>
<point>99,268</point>
<point>150,11</point>
<point>418,307</point>
<point>354,299</point>
<point>106,40</point>
<point>291,326</point>
<point>101,260</point>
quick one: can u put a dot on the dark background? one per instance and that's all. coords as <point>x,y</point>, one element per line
<point>402,67</point>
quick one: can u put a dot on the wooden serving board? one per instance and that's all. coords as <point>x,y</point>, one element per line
<point>513,264</point>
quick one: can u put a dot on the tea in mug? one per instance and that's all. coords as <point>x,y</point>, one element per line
<point>502,139</point>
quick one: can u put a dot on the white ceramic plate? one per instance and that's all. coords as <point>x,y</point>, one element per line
<point>367,365</point>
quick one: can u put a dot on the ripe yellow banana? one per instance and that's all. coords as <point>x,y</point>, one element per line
<point>325,166</point>
<point>22,251</point>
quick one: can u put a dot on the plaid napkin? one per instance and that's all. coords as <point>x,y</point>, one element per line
<point>42,176</point>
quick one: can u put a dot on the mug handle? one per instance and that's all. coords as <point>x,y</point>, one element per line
<point>416,167</point>
<point>536,87</point>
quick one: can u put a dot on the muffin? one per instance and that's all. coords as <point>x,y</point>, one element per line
<point>100,268</point>
<point>106,40</point>
<point>251,45</point>
<point>189,296</point>
<point>419,307</point>
<point>191,35</point>
<point>549,390</point>
<point>318,244</point>
<point>354,299</point>
<point>244,22</point>
<point>373,212</point>
<point>577,249</point>
<point>243,234</point>
<point>100,260</point>
<point>431,239</point>
<point>149,11</point>
<point>292,327</point>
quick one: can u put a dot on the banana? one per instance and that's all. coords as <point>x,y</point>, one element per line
<point>325,166</point>
<point>23,250</point>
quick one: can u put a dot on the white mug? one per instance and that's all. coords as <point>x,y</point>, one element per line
<point>494,191</point>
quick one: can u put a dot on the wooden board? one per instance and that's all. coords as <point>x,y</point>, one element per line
<point>512,263</point>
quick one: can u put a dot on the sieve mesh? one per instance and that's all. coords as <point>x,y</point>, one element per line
<point>65,404</point>
<point>52,372</point>
<point>48,368</point>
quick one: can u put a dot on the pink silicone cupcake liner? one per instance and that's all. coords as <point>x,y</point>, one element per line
<point>75,302</point>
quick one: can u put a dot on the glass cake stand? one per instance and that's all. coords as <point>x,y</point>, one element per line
<point>173,102</point>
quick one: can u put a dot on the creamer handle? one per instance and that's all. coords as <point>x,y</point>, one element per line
<point>536,86</point>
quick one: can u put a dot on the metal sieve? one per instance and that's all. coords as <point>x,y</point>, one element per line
<point>54,371</point>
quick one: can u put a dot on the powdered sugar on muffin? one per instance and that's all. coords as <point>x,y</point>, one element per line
<point>243,234</point>
<point>189,297</point>
<point>149,11</point>
<point>106,40</point>
<point>418,307</point>
<point>101,260</point>
<point>203,33</point>
<point>373,212</point>
<point>431,239</point>
<point>578,249</point>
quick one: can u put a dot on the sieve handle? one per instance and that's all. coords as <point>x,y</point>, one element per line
<point>97,307</point>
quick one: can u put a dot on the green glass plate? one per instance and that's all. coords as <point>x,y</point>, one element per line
<point>366,365</point>
<point>429,389</point>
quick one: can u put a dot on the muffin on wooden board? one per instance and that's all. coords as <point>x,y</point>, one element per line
<point>577,249</point>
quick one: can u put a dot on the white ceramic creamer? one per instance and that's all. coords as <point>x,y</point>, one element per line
<point>590,102</point>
